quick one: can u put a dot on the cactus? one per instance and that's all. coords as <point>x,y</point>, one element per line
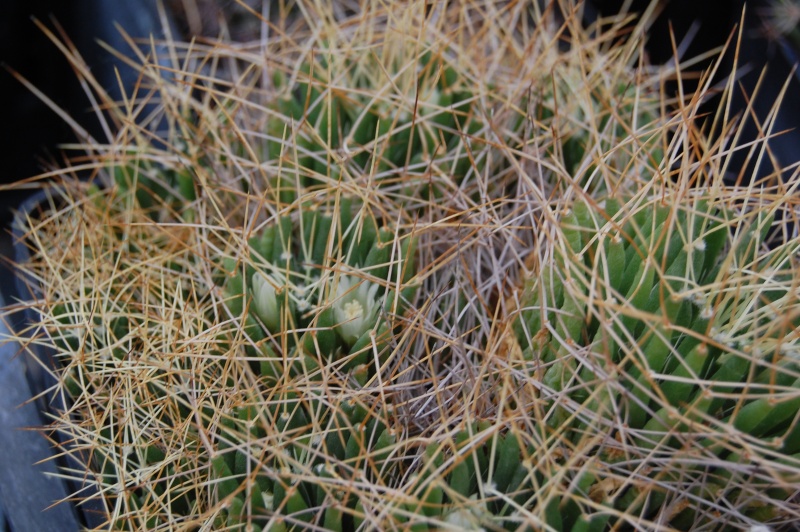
<point>652,296</point>
<point>342,116</point>
<point>294,281</point>
<point>300,309</point>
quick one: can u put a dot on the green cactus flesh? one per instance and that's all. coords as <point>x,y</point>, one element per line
<point>638,321</point>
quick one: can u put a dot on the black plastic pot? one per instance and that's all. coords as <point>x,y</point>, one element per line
<point>27,490</point>
<point>26,382</point>
<point>29,487</point>
<point>31,131</point>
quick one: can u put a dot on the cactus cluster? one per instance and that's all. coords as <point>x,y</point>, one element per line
<point>661,317</point>
<point>413,121</point>
<point>321,286</point>
<point>359,114</point>
<point>270,493</point>
<point>383,130</point>
<point>316,300</point>
<point>354,290</point>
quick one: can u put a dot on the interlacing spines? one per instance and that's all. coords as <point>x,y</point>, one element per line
<point>643,292</point>
<point>307,483</point>
<point>322,283</point>
<point>352,116</point>
<point>254,342</point>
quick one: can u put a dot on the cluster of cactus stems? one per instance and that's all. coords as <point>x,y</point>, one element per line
<point>279,323</point>
<point>377,134</point>
<point>690,320</point>
<point>294,281</point>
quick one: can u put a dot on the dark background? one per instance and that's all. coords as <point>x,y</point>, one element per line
<point>31,132</point>
<point>759,53</point>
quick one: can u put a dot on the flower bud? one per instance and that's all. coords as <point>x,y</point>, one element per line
<point>265,301</point>
<point>355,308</point>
